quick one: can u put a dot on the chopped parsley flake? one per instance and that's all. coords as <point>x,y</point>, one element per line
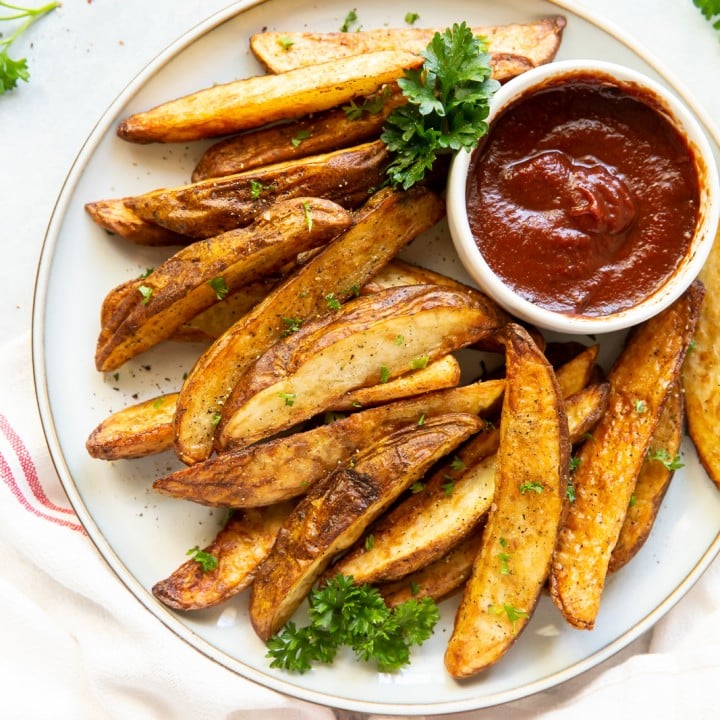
<point>206,561</point>
<point>219,286</point>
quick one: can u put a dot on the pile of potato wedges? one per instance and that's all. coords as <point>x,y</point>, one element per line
<point>327,408</point>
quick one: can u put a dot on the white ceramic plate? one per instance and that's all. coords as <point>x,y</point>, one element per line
<point>144,536</point>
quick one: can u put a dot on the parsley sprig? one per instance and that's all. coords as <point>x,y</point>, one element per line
<point>710,10</point>
<point>12,70</point>
<point>448,104</point>
<point>343,613</point>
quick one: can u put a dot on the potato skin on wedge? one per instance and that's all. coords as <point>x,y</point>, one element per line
<point>384,225</point>
<point>210,207</point>
<point>514,48</point>
<point>609,463</point>
<point>182,286</point>
<point>239,548</point>
<point>532,468</point>
<point>701,372</point>
<point>367,341</point>
<point>287,467</point>
<point>251,102</point>
<point>335,512</point>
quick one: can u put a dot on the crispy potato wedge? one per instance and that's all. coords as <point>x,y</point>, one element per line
<point>426,525</point>
<point>339,127</point>
<point>701,372</point>
<point>605,477</point>
<point>514,48</point>
<point>210,207</point>
<point>369,340</point>
<point>336,511</point>
<point>117,218</point>
<point>136,431</point>
<point>251,102</point>
<point>239,548</point>
<point>398,272</point>
<point>531,475</point>
<point>439,579</point>
<point>181,287</point>
<point>386,224</point>
<point>575,374</point>
<point>437,375</point>
<point>652,482</point>
<point>287,467</point>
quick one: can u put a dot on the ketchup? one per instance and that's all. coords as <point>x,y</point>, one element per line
<point>583,198</point>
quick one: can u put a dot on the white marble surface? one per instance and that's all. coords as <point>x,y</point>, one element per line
<point>81,57</point>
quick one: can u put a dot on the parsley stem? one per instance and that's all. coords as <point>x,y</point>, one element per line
<point>32,14</point>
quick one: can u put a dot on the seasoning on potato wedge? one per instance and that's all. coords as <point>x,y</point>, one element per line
<point>367,341</point>
<point>701,372</point>
<point>514,47</point>
<point>251,102</point>
<point>609,462</point>
<point>385,224</point>
<point>234,555</point>
<point>531,475</point>
<point>335,512</point>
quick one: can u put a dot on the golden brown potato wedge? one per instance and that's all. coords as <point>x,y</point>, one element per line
<point>238,548</point>
<point>210,207</point>
<point>532,468</point>
<point>514,48</point>
<point>437,375</point>
<point>352,124</point>
<point>287,467</point>
<point>182,286</point>
<point>136,431</point>
<point>575,374</point>
<point>117,218</point>
<point>439,579</point>
<point>652,482</point>
<point>609,463</point>
<point>398,272</point>
<point>369,340</point>
<point>251,102</point>
<point>446,507</point>
<point>336,511</point>
<point>701,372</point>
<point>386,224</point>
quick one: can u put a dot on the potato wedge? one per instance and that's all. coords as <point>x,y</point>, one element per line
<point>210,207</point>
<point>387,222</point>
<point>439,579</point>
<point>117,218</point>
<point>239,548</point>
<point>437,375</point>
<point>341,127</point>
<point>575,374</point>
<point>652,482</point>
<point>531,475</point>
<point>136,431</point>
<point>609,464</point>
<point>181,287</point>
<point>701,372</point>
<point>251,102</point>
<point>287,467</point>
<point>369,340</point>
<point>426,525</point>
<point>514,48</point>
<point>335,512</point>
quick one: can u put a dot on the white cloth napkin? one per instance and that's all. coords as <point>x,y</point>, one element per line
<point>75,644</point>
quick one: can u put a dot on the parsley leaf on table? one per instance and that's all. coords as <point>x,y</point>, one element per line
<point>12,70</point>
<point>448,104</point>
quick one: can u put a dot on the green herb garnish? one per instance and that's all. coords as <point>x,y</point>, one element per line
<point>448,105</point>
<point>206,561</point>
<point>219,287</point>
<point>344,614</point>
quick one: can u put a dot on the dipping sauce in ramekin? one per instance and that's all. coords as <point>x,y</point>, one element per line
<point>592,198</point>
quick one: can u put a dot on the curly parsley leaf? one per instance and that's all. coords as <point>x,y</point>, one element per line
<point>345,614</point>
<point>12,70</point>
<point>448,105</point>
<point>710,10</point>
